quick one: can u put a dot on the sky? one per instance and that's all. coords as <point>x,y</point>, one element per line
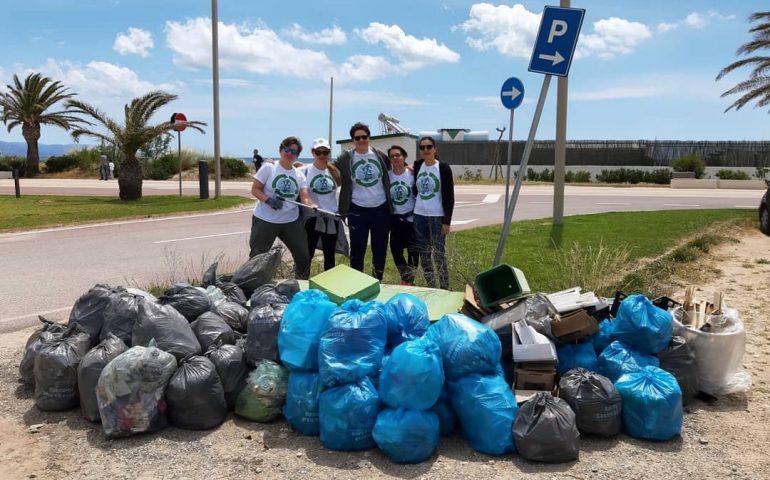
<point>642,70</point>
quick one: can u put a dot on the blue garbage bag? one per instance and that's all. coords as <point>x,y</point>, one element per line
<point>443,410</point>
<point>486,408</point>
<point>407,436</point>
<point>603,337</point>
<point>352,343</point>
<point>467,346</point>
<point>301,409</point>
<point>642,325</point>
<point>347,415</point>
<point>574,355</point>
<point>407,317</point>
<point>300,329</point>
<point>652,404</point>
<point>619,358</point>
<point>413,375</point>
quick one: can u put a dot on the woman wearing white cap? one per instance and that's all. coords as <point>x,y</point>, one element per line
<point>322,181</point>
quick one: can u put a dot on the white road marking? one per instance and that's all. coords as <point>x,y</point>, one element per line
<point>463,222</point>
<point>612,203</point>
<point>202,236</point>
<point>745,206</point>
<point>47,312</point>
<point>491,198</point>
<point>680,205</point>
<point>469,205</point>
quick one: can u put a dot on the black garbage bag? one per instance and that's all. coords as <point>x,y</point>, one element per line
<point>266,294</point>
<point>48,332</point>
<point>678,359</point>
<point>138,292</point>
<point>230,362</point>
<point>234,314</point>
<point>88,310</point>
<point>119,316</point>
<point>131,389</point>
<point>170,330</point>
<point>262,333</point>
<point>595,401</point>
<point>90,368</point>
<point>56,369</point>
<point>190,301</point>
<point>287,288</point>
<point>258,270</point>
<point>545,430</point>
<point>210,275</point>
<point>210,328</point>
<point>195,397</point>
<point>233,292</point>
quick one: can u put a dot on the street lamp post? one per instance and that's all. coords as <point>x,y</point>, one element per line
<point>215,74</point>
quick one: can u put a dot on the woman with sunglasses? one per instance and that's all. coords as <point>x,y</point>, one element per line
<point>434,188</point>
<point>365,199</point>
<point>402,220</point>
<point>322,180</point>
<point>273,216</point>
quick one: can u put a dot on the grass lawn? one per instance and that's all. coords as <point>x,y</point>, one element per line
<point>37,211</point>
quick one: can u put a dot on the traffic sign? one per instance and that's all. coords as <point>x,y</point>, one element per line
<point>180,121</point>
<point>512,93</point>
<point>556,40</point>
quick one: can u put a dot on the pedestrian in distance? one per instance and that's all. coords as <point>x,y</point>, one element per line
<point>322,181</point>
<point>434,188</point>
<point>274,217</point>
<point>111,165</point>
<point>402,236</point>
<point>257,159</point>
<point>365,199</point>
<point>104,169</point>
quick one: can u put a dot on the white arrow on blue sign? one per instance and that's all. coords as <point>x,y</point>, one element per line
<point>512,93</point>
<point>556,40</point>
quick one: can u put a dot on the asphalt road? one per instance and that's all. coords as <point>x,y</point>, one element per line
<point>44,271</point>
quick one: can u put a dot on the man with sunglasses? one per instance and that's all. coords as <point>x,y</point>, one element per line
<point>365,199</point>
<point>273,217</point>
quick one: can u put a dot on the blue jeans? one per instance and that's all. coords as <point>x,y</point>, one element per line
<point>363,221</point>
<point>431,245</point>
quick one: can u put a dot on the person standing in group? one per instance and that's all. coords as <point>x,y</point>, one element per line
<point>273,216</point>
<point>104,169</point>
<point>322,181</point>
<point>402,236</point>
<point>257,158</point>
<point>111,166</point>
<point>365,199</point>
<point>434,187</point>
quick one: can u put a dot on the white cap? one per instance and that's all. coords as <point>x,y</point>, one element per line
<point>321,142</point>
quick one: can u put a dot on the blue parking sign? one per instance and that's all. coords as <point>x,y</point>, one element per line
<point>556,40</point>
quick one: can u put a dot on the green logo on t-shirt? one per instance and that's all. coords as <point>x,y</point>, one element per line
<point>367,172</point>
<point>428,185</point>
<point>399,192</point>
<point>285,186</point>
<point>322,184</point>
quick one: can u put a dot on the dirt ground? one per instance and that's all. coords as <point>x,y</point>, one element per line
<point>728,438</point>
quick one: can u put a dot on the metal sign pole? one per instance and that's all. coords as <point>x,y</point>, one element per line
<point>179,154</point>
<point>524,160</point>
<point>510,153</point>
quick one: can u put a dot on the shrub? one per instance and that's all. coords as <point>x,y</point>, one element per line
<point>659,176</point>
<point>61,163</point>
<point>162,168</point>
<point>727,174</point>
<point>689,163</point>
<point>582,176</point>
<point>230,168</point>
<point>9,162</point>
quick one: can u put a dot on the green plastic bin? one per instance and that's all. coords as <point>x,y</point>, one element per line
<point>500,284</point>
<point>343,283</point>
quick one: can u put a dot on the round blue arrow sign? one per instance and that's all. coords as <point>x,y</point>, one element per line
<point>512,93</point>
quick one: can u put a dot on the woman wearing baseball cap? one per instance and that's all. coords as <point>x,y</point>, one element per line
<point>322,181</point>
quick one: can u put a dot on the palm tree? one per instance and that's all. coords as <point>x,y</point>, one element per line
<point>757,87</point>
<point>26,105</point>
<point>128,138</point>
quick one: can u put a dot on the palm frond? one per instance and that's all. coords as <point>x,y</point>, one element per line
<point>741,63</point>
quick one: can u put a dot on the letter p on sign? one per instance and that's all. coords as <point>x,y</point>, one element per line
<point>558,28</point>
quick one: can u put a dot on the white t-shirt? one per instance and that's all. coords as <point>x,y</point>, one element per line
<point>321,187</point>
<point>366,170</point>
<point>401,194</point>
<point>282,183</point>
<point>428,203</point>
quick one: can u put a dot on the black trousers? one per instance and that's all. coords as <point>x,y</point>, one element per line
<point>403,237</point>
<point>364,221</point>
<point>328,242</point>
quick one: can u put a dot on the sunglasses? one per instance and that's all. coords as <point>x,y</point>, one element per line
<point>358,138</point>
<point>426,147</point>
<point>291,151</point>
<point>322,153</point>
<point>396,155</point>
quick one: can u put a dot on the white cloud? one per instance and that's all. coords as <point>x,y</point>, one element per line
<point>250,49</point>
<point>613,36</point>
<point>412,52</point>
<point>228,82</point>
<point>695,20</point>
<point>363,68</point>
<point>327,36</point>
<point>510,30</point>
<point>136,41</point>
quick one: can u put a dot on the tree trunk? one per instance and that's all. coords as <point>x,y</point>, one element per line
<point>31,134</point>
<point>130,179</point>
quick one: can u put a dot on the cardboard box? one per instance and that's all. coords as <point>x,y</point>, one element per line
<point>574,326</point>
<point>534,380</point>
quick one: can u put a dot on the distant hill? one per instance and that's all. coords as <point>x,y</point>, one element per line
<point>20,149</point>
